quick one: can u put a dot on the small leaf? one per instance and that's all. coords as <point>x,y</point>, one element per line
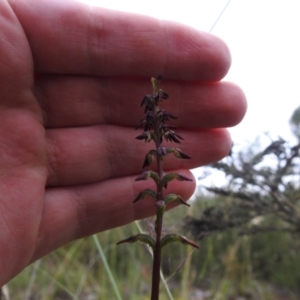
<point>178,153</point>
<point>174,197</point>
<point>144,238</point>
<point>146,135</point>
<point>170,150</point>
<point>180,177</point>
<point>167,178</point>
<point>153,152</point>
<point>171,176</point>
<point>186,241</point>
<point>155,177</point>
<point>143,194</point>
<point>145,175</point>
<point>173,237</point>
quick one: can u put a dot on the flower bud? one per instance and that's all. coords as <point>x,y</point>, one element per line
<point>161,151</point>
<point>160,207</point>
<point>146,135</point>
<point>170,135</point>
<point>146,100</point>
<point>148,160</point>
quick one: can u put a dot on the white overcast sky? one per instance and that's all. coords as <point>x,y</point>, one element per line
<point>264,39</point>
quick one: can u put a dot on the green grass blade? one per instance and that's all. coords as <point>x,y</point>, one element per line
<point>106,266</point>
<point>32,279</point>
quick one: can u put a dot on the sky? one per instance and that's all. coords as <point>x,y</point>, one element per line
<point>263,37</point>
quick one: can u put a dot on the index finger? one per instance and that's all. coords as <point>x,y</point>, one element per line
<point>68,37</point>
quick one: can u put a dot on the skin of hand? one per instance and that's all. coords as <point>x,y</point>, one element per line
<point>71,81</point>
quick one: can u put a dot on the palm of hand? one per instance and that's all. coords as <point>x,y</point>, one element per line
<point>67,111</point>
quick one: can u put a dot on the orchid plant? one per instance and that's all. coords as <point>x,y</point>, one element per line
<point>156,130</point>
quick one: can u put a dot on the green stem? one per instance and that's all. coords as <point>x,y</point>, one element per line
<point>160,206</point>
<point>156,260</point>
<point>158,229</point>
<point>162,278</point>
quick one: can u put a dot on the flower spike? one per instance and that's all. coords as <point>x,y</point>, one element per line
<point>157,130</point>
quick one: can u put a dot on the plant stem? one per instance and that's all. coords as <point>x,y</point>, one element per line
<point>156,259</point>
<point>158,226</point>
<point>162,278</point>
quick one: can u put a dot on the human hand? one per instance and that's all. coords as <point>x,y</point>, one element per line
<point>71,81</point>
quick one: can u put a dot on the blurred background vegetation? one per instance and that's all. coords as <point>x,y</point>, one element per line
<point>248,230</point>
<point>261,266</point>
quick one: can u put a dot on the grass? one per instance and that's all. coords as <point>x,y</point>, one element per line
<point>263,266</point>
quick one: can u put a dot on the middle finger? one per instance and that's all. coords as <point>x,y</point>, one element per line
<point>74,101</point>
